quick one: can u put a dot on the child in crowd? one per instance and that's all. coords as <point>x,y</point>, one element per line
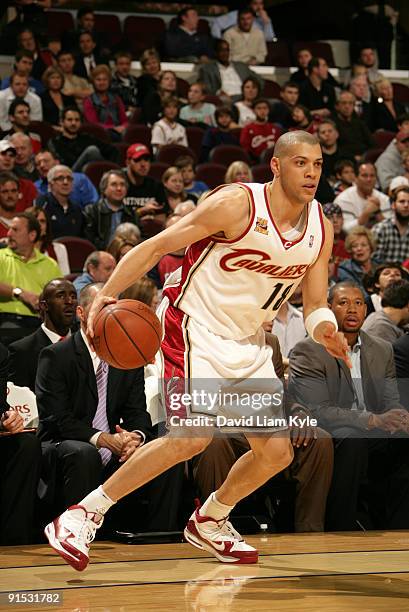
<point>303,120</point>
<point>345,175</point>
<point>222,134</point>
<point>259,134</point>
<point>174,187</point>
<point>238,172</point>
<point>198,112</point>
<point>186,165</point>
<point>167,130</point>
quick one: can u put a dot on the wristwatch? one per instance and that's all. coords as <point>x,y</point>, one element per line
<point>17,292</point>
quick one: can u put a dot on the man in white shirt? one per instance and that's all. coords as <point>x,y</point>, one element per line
<point>19,88</point>
<point>262,21</point>
<point>247,43</point>
<point>362,204</point>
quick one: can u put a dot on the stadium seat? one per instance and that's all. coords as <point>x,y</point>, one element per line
<point>262,173</point>
<point>401,92</point>
<point>383,138</point>
<point>211,174</point>
<point>78,250</point>
<point>278,54</point>
<point>318,49</point>
<point>372,154</point>
<point>59,22</point>
<point>44,129</point>
<point>135,118</point>
<point>138,133</point>
<point>97,131</point>
<point>266,155</point>
<point>71,277</point>
<point>195,138</point>
<point>169,153</point>
<point>227,154</point>
<point>111,26</point>
<point>271,89</point>
<point>95,170</point>
<point>122,148</point>
<point>141,33</point>
<point>182,87</point>
<point>213,100</point>
<point>157,170</point>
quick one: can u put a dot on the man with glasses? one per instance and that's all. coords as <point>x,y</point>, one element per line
<point>145,194</point>
<point>65,215</point>
<point>354,135</point>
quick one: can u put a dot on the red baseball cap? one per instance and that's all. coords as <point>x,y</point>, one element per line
<point>402,136</point>
<point>137,150</point>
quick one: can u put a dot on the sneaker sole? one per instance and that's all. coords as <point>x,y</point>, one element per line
<point>77,564</point>
<point>202,545</point>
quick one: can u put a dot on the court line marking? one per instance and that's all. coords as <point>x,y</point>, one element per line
<point>197,580</point>
<point>279,554</point>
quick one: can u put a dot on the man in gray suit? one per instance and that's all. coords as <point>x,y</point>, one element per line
<point>361,409</point>
<point>224,78</point>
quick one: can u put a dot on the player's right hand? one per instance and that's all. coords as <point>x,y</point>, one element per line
<point>99,302</point>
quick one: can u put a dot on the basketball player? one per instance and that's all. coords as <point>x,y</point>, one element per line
<point>249,247</point>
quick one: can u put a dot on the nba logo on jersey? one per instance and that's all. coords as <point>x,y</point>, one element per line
<point>311,242</point>
<point>261,226</point>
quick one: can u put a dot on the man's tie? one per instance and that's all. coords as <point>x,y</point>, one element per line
<point>100,419</point>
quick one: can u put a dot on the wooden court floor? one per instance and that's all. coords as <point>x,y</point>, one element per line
<point>297,572</point>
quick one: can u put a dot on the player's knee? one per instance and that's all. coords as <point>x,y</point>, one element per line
<point>183,449</point>
<point>276,454</point>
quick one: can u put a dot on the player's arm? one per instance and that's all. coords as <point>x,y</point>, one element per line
<point>319,320</point>
<point>226,211</point>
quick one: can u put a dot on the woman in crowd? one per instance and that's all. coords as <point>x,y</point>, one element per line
<point>386,108</point>
<point>360,244</point>
<point>172,180</point>
<point>45,244</point>
<point>333,212</point>
<point>103,107</point>
<point>128,231</point>
<point>303,119</point>
<point>144,290</point>
<point>152,106</point>
<point>119,247</point>
<point>238,172</point>
<point>151,71</point>
<point>250,90</point>
<point>52,99</point>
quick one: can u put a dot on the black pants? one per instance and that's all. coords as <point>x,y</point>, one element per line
<point>20,457</point>
<point>153,507</point>
<point>370,482</point>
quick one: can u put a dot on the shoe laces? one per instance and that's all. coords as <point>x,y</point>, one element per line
<point>83,527</point>
<point>228,530</point>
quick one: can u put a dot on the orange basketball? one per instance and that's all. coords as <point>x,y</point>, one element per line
<point>127,334</point>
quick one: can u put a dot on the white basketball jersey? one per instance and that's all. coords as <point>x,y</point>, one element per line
<point>233,286</point>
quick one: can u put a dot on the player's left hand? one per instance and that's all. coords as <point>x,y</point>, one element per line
<point>334,341</point>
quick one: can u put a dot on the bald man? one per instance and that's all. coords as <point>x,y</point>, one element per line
<point>57,304</point>
<point>249,247</point>
<point>25,164</point>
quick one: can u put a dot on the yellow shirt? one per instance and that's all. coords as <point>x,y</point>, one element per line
<point>29,275</point>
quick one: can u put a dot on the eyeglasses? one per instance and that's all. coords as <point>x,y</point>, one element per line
<point>2,191</point>
<point>62,179</point>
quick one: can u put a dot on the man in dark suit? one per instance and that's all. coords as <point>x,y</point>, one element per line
<point>20,458</point>
<point>57,304</point>
<point>88,57</point>
<point>401,354</point>
<point>361,409</point>
<point>96,417</point>
<point>224,78</point>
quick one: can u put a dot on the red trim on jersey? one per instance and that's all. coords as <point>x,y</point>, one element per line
<point>320,212</point>
<point>253,214</point>
<point>287,244</point>
<point>191,263</point>
<point>173,356</point>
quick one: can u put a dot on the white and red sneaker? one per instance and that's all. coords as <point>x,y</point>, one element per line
<point>71,534</point>
<point>219,538</point>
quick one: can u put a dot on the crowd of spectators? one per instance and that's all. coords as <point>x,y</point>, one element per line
<point>91,156</point>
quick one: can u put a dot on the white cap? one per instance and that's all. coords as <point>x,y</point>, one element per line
<point>5,145</point>
<point>398,181</point>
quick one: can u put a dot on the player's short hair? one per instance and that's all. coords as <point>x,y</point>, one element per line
<point>347,284</point>
<point>290,139</point>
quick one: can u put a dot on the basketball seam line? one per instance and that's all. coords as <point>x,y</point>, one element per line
<point>128,336</point>
<point>106,341</point>
<point>141,317</point>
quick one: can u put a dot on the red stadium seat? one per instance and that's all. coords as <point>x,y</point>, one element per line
<point>78,250</point>
<point>262,173</point>
<point>271,89</point>
<point>111,26</point>
<point>383,138</point>
<point>401,92</point>
<point>44,129</point>
<point>157,170</point>
<point>213,100</point>
<point>169,153</point>
<point>227,154</point>
<point>96,130</point>
<point>211,174</point>
<point>372,154</point>
<point>138,133</point>
<point>95,170</point>
<point>59,22</point>
<point>278,54</point>
<point>195,138</point>
<point>122,148</point>
<point>182,87</point>
<point>266,155</point>
<point>135,118</point>
<point>143,32</point>
<point>318,49</point>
